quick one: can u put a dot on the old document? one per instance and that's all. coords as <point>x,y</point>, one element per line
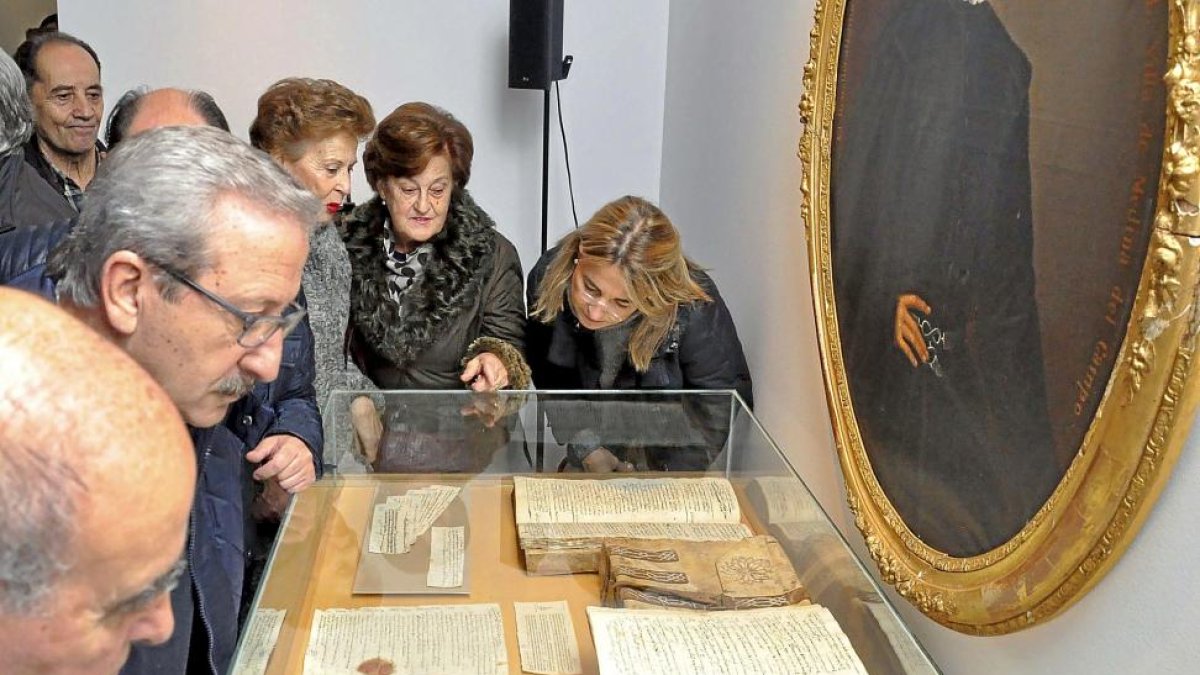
<point>797,640</point>
<point>624,500</point>
<point>397,523</point>
<point>591,531</point>
<point>447,555</point>
<point>459,639</point>
<point>546,637</point>
<point>259,642</point>
<point>388,533</point>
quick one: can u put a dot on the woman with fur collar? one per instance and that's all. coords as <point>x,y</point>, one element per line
<point>436,292</point>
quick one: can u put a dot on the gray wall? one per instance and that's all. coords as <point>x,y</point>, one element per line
<point>730,179</point>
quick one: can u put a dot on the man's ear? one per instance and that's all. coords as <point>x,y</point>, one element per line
<point>124,282</point>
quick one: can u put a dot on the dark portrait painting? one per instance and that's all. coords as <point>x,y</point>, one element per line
<point>994,173</point>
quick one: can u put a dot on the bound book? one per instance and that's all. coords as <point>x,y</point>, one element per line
<point>563,523</point>
<point>745,574</point>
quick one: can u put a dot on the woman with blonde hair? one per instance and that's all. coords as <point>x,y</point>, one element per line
<point>617,305</point>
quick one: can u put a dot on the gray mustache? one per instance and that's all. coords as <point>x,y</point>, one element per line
<point>237,385</point>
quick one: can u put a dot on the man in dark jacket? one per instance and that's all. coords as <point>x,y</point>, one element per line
<point>62,78</point>
<point>25,199</point>
<point>188,254</point>
<point>281,412</point>
<point>280,420</point>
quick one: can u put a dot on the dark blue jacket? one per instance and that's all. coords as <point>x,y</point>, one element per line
<point>216,539</point>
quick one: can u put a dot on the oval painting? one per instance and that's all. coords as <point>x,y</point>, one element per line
<point>993,179</point>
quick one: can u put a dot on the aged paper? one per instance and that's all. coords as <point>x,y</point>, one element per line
<point>546,637</point>
<point>467,639</point>
<point>447,555</point>
<point>388,529</point>
<point>259,642</point>
<point>590,531</point>
<point>398,523</point>
<point>622,500</point>
<point>797,640</point>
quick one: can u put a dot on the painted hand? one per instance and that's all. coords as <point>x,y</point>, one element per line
<point>906,332</point>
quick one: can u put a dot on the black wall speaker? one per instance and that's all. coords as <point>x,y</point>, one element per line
<point>535,43</point>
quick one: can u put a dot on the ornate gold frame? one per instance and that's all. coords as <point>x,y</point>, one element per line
<point>1143,418</point>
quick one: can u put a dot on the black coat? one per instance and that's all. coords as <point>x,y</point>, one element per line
<point>25,198</point>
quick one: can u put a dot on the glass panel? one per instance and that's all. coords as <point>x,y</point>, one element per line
<point>478,442</point>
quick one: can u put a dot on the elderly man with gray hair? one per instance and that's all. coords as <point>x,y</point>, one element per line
<point>25,198</point>
<point>88,441</point>
<point>188,255</point>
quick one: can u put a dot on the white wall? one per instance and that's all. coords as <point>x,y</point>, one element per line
<point>730,179</point>
<point>453,54</point>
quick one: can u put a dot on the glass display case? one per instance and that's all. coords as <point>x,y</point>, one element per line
<point>351,541</point>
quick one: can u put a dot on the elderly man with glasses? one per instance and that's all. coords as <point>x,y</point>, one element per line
<point>188,254</point>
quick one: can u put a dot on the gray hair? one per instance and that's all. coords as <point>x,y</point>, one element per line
<point>154,195</point>
<point>40,496</point>
<point>16,115</point>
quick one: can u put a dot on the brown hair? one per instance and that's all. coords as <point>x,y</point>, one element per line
<point>296,110</point>
<point>410,136</point>
<point>640,240</point>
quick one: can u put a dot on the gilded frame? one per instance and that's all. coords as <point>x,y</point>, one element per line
<point>1131,443</point>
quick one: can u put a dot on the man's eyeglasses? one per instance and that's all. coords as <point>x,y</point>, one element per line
<point>256,328</point>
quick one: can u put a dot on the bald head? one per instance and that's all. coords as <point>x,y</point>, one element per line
<point>142,109</point>
<point>96,479</point>
<point>165,108</point>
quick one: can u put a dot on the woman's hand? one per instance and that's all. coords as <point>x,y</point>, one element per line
<point>906,332</point>
<point>485,372</point>
<point>368,428</point>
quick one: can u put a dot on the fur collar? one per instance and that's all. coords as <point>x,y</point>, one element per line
<point>462,257</point>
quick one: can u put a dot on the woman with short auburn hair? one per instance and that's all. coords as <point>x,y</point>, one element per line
<point>436,298</point>
<point>617,305</point>
<point>312,129</point>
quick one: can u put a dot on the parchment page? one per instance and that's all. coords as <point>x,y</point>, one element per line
<point>261,635</point>
<point>546,637</point>
<point>447,556</point>
<point>624,500</point>
<point>563,532</point>
<point>388,528</point>
<point>467,639</point>
<point>797,640</point>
